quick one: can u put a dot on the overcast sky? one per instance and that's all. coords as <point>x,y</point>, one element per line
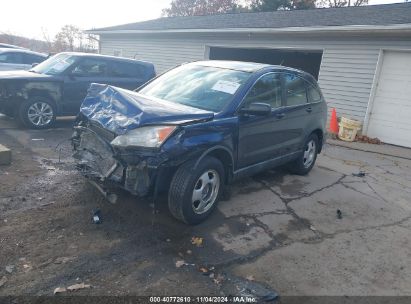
<point>31,18</point>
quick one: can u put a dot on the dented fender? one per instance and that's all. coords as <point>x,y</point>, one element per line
<point>15,91</point>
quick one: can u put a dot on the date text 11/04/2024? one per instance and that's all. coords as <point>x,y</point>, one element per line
<point>235,299</point>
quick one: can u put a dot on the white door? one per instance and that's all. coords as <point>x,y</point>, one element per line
<point>390,116</point>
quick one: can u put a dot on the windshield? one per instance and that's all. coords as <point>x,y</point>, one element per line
<point>54,65</point>
<point>202,87</point>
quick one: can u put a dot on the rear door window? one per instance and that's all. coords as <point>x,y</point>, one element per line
<point>126,70</point>
<point>30,59</point>
<point>295,90</point>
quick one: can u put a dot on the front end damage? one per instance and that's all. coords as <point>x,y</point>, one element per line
<point>102,164</point>
<point>108,114</point>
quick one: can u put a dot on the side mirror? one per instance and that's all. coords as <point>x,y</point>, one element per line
<point>34,64</point>
<point>257,108</point>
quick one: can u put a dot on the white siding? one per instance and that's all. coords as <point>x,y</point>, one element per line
<point>347,69</point>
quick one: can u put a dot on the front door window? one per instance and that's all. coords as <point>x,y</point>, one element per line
<point>266,90</point>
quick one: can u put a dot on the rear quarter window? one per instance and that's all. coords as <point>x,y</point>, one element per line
<point>127,70</point>
<point>313,92</point>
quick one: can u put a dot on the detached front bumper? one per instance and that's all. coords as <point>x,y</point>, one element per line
<point>98,160</point>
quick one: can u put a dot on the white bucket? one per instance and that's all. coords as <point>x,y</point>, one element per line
<point>348,129</point>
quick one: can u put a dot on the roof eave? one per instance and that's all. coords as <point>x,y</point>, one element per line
<point>347,28</point>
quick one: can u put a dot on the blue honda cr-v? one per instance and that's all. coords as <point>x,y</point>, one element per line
<point>196,128</point>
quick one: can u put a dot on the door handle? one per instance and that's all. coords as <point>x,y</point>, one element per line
<point>309,110</point>
<point>279,115</point>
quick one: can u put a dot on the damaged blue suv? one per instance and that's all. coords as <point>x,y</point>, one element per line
<point>198,127</point>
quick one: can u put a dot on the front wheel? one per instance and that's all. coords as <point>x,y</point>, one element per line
<point>37,113</point>
<point>194,192</point>
<point>304,163</point>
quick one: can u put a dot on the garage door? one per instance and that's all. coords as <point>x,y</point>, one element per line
<point>390,117</point>
<point>306,60</point>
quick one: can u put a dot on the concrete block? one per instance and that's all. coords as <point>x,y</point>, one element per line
<point>5,155</point>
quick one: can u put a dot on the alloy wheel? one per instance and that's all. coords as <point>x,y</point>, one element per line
<point>40,114</point>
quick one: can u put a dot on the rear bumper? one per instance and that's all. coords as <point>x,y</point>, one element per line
<point>97,160</point>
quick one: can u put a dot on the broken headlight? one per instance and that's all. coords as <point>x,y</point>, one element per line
<point>150,136</point>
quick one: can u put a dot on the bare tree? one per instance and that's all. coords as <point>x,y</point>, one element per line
<point>200,7</point>
<point>67,37</point>
<point>342,3</point>
<point>72,38</point>
<point>274,5</point>
<point>46,38</point>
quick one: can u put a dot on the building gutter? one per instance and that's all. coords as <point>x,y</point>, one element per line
<point>319,29</point>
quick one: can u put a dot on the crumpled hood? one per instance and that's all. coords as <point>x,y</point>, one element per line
<point>120,110</point>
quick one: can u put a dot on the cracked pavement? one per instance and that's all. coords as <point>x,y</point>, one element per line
<point>280,229</point>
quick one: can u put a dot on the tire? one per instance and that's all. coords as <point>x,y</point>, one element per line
<point>205,182</point>
<point>37,113</point>
<point>305,162</point>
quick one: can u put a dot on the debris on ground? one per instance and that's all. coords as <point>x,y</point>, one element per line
<point>189,252</point>
<point>250,278</point>
<point>313,228</point>
<point>359,174</point>
<point>339,214</point>
<point>59,290</point>
<point>3,281</point>
<point>96,217</point>
<point>205,270</point>
<point>78,287</point>
<point>27,267</point>
<point>218,279</point>
<point>9,268</point>
<point>253,290</point>
<point>180,263</point>
<point>368,140</point>
<point>71,288</point>
<point>62,260</point>
<point>37,139</point>
<point>269,297</point>
<point>198,241</point>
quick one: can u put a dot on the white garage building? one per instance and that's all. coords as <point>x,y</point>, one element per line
<point>360,55</point>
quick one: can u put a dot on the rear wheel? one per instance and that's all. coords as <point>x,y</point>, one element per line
<point>304,163</point>
<point>37,113</point>
<point>194,192</point>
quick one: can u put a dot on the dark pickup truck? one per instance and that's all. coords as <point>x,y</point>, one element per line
<point>57,86</point>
